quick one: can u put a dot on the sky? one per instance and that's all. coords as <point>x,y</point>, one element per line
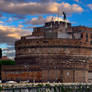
<point>18,17</point>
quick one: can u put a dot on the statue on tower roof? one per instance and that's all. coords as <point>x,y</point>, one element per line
<point>64,15</point>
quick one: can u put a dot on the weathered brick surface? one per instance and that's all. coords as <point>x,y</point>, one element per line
<point>61,73</point>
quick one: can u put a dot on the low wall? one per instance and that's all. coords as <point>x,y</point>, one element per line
<point>49,88</point>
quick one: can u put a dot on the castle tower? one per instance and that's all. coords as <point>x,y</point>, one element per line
<point>56,50</point>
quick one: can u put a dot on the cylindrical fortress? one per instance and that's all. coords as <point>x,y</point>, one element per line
<point>61,54</point>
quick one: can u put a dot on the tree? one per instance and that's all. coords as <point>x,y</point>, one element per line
<point>0,53</point>
<point>7,62</point>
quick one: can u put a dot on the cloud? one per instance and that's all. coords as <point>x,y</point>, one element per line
<point>9,35</point>
<point>40,20</point>
<point>37,21</point>
<point>19,17</point>
<point>29,27</point>
<point>16,1</point>
<point>9,51</point>
<point>15,18</point>
<point>1,22</point>
<point>76,0</point>
<point>0,15</point>
<point>10,19</point>
<point>90,6</point>
<point>46,1</point>
<point>71,8</point>
<point>20,26</point>
<point>38,8</point>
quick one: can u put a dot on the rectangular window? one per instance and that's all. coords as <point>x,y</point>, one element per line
<point>91,36</point>
<point>90,42</point>
<point>45,41</point>
<point>81,35</point>
<point>86,37</point>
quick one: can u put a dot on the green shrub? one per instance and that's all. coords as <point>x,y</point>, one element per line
<point>48,85</point>
<point>39,85</point>
<point>7,62</point>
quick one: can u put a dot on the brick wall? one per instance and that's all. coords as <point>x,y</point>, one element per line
<point>63,74</point>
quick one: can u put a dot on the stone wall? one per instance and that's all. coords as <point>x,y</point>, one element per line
<point>65,72</point>
<point>52,46</point>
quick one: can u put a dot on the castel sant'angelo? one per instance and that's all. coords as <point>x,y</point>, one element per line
<point>55,52</point>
